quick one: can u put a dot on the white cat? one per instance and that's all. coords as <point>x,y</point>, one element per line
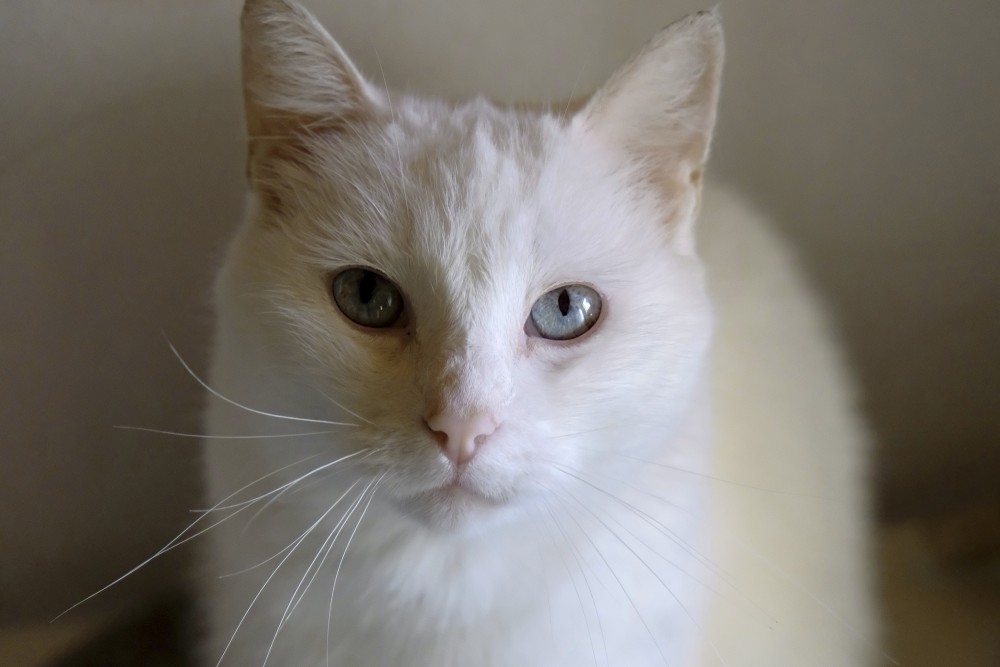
<point>527,445</point>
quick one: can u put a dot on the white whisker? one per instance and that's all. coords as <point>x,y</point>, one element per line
<point>286,548</point>
<point>658,525</point>
<point>212,391</point>
<point>586,431</point>
<point>726,577</point>
<point>770,620</point>
<point>256,597</point>
<point>346,409</point>
<point>292,490</point>
<point>220,437</point>
<point>744,485</point>
<point>329,617</point>
<point>172,544</point>
<point>295,481</point>
<point>597,613</point>
<point>331,539</point>
<point>651,571</point>
<point>326,548</point>
<point>664,530</point>
<point>548,588</point>
<point>621,585</point>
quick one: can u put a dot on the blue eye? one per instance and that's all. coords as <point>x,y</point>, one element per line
<point>367,298</point>
<point>566,312</point>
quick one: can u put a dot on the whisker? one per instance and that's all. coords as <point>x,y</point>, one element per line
<point>664,530</point>
<point>744,485</point>
<point>597,613</point>
<point>295,481</point>
<point>673,595</point>
<point>771,620</point>
<point>286,548</point>
<point>351,537</point>
<point>674,468</point>
<point>209,389</point>
<point>263,508</point>
<point>726,577</point>
<point>329,617</point>
<point>220,437</point>
<point>635,608</point>
<point>300,489</point>
<point>757,555</point>
<point>576,588</point>
<point>260,592</point>
<point>345,409</point>
<point>326,550</point>
<point>288,491</point>
<point>586,431</point>
<point>548,587</point>
<point>331,539</point>
<point>172,544</point>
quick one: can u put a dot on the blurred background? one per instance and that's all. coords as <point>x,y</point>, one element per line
<point>870,130</point>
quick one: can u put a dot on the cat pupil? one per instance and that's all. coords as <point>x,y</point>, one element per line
<point>565,312</point>
<point>366,287</point>
<point>564,302</point>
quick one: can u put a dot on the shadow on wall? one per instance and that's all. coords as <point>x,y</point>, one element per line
<point>870,131</point>
<point>112,228</point>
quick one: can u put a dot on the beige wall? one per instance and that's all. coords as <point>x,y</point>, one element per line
<point>869,128</point>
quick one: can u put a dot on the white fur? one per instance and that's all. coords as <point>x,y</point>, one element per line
<point>613,519</point>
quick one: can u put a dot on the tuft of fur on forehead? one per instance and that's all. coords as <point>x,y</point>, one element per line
<point>428,159</point>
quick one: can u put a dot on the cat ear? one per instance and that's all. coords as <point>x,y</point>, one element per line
<point>295,74</point>
<point>297,83</point>
<point>659,112</point>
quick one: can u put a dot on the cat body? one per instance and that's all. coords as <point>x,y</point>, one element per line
<point>458,483</point>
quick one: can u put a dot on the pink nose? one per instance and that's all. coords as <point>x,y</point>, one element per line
<point>457,435</point>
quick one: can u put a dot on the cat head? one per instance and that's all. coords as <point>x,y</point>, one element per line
<point>503,297</point>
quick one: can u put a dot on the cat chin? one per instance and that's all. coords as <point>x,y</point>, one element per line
<point>453,508</point>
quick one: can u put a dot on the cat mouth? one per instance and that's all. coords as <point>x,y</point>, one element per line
<point>449,505</point>
<point>459,490</point>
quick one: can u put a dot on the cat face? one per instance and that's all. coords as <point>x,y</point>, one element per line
<point>457,221</point>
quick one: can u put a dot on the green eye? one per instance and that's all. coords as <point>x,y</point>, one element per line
<point>566,312</point>
<point>368,299</point>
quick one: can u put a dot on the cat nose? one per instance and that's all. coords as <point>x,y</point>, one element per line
<point>458,436</point>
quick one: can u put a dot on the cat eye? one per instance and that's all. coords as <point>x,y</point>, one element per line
<point>367,298</point>
<point>566,312</point>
